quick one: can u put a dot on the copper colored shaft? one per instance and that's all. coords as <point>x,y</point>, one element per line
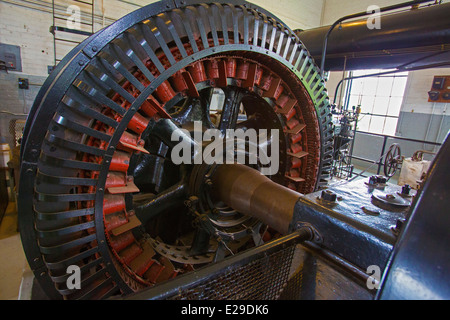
<point>249,192</point>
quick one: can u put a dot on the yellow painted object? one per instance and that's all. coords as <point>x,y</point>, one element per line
<point>5,155</point>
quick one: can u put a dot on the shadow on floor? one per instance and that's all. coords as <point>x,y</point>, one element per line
<point>13,262</point>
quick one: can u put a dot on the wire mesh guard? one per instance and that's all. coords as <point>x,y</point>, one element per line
<point>16,127</point>
<point>264,278</point>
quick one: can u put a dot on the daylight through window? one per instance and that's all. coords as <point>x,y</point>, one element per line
<point>380,98</point>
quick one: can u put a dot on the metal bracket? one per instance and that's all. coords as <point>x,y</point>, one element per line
<point>316,237</point>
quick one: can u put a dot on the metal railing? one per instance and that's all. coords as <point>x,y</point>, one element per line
<point>379,161</point>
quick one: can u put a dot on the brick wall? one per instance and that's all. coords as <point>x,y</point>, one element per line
<point>26,23</point>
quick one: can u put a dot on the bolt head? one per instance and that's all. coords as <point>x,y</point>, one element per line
<point>328,195</point>
<point>406,189</point>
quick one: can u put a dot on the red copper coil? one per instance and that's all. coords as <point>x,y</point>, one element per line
<point>120,161</point>
<point>121,241</point>
<point>115,220</point>
<point>115,179</point>
<point>144,266</point>
<point>197,71</point>
<point>296,138</point>
<point>242,71</point>
<point>178,82</point>
<point>129,138</point>
<point>231,68</point>
<point>281,102</point>
<point>290,114</point>
<point>154,271</point>
<point>165,92</point>
<point>130,253</point>
<point>296,163</point>
<point>296,148</point>
<point>212,69</point>
<point>138,123</point>
<point>113,203</point>
<point>292,123</point>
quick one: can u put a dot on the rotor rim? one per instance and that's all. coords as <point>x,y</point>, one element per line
<point>305,70</point>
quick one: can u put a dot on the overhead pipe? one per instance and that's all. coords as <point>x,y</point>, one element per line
<point>408,39</point>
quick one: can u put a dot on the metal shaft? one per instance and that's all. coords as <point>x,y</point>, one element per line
<point>249,192</point>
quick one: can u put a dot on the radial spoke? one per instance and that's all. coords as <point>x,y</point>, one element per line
<point>230,109</point>
<point>253,121</point>
<point>166,200</point>
<point>185,110</point>
<point>167,129</point>
<point>196,108</point>
<point>206,97</point>
<point>205,103</point>
<point>200,244</point>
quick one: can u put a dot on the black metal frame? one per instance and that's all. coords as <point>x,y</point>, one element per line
<point>419,265</point>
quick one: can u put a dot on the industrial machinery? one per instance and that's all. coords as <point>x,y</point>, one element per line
<point>345,126</point>
<point>100,191</point>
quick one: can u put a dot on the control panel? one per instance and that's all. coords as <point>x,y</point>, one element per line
<point>440,89</point>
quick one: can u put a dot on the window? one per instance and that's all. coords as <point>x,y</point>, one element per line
<point>380,98</point>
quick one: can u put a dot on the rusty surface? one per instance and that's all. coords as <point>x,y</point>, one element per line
<point>249,192</point>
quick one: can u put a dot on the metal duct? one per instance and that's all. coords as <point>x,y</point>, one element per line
<point>410,39</point>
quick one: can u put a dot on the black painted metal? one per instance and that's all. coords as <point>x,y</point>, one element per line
<point>419,267</point>
<point>167,199</point>
<point>353,227</point>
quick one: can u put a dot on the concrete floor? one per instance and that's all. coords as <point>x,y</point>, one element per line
<point>13,264</point>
